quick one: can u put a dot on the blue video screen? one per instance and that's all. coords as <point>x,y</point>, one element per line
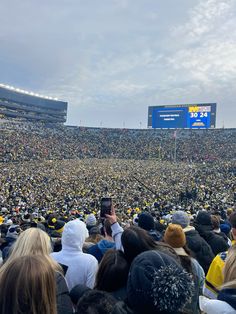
<point>193,117</point>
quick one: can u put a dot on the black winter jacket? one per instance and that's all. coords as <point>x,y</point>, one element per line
<point>217,243</point>
<point>201,249</point>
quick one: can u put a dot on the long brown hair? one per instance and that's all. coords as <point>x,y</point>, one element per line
<point>135,241</point>
<point>112,272</point>
<point>28,285</point>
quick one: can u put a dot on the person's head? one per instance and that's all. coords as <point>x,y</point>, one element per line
<point>74,235</point>
<point>203,218</point>
<point>146,221</point>
<point>230,269</point>
<point>91,221</point>
<point>157,284</point>
<point>175,237</point>
<point>32,241</point>
<point>94,235</point>
<point>112,272</point>
<point>28,285</point>
<point>215,220</point>
<point>13,231</point>
<point>181,218</point>
<point>229,212</point>
<point>136,240</point>
<point>95,301</point>
<point>77,292</point>
<point>59,226</point>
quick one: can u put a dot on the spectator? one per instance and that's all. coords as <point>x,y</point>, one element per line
<point>214,277</point>
<point>99,249</point>
<point>146,222</point>
<point>27,285</point>
<point>226,302</point>
<point>98,302</point>
<point>204,226</point>
<point>112,274</point>
<point>82,267</point>
<point>157,284</point>
<point>77,292</point>
<point>12,235</point>
<point>215,220</point>
<point>94,237</point>
<point>34,241</point>
<point>175,236</point>
<point>200,248</point>
<point>91,221</point>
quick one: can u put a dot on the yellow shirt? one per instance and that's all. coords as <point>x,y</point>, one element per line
<point>214,278</point>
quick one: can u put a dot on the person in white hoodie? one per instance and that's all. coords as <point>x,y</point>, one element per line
<point>81,267</point>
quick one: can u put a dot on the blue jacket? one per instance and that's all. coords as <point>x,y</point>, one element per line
<point>99,249</point>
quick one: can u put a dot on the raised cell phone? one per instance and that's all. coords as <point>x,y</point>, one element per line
<point>106,204</point>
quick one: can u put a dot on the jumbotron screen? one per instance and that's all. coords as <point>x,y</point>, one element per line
<point>197,116</point>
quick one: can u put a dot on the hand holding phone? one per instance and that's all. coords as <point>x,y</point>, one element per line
<point>112,216</point>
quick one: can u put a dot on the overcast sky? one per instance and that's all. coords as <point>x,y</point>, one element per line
<point>111,59</point>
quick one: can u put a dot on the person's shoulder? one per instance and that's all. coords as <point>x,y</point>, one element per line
<point>89,258</point>
<point>223,255</point>
<point>215,306</point>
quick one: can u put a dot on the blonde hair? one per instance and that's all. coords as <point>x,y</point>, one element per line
<point>229,271</point>
<point>28,285</point>
<point>32,241</point>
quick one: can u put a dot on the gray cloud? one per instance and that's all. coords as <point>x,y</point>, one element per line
<point>111,59</point>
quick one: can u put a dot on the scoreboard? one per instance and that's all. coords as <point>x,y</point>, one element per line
<point>197,116</point>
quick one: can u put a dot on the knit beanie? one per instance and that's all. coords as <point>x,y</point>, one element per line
<point>52,219</point>
<point>225,228</point>
<point>13,231</point>
<point>203,218</point>
<point>94,230</point>
<point>175,236</point>
<point>26,217</point>
<point>77,292</point>
<point>146,221</point>
<point>181,218</point>
<point>158,284</point>
<point>91,220</point>
<point>59,226</point>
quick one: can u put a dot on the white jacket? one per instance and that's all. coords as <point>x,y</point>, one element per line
<point>209,306</point>
<point>82,267</point>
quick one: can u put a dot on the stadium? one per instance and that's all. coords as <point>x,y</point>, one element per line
<point>167,194</point>
<point>28,106</point>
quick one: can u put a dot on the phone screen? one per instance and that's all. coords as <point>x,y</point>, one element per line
<point>106,203</point>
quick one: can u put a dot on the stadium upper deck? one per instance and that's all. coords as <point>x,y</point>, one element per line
<point>24,105</point>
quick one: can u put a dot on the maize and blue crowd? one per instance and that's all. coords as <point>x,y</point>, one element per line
<point>167,246</point>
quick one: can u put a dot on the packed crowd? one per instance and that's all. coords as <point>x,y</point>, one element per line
<point>30,141</point>
<point>167,246</point>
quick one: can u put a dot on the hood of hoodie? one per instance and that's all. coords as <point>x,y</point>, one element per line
<point>203,228</point>
<point>74,235</point>
<point>104,245</point>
